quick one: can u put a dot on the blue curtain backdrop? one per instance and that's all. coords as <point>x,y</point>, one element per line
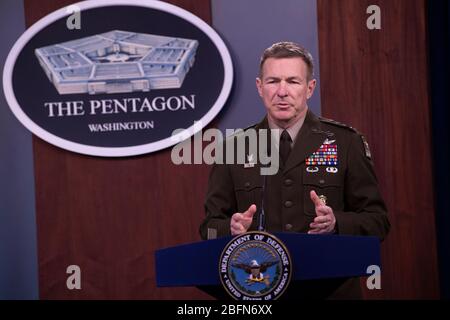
<point>439,42</point>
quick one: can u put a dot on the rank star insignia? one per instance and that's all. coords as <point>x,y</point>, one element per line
<point>326,155</point>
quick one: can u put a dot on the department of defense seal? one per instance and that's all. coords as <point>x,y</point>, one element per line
<point>255,266</point>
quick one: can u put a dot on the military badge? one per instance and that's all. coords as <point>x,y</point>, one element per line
<point>326,155</point>
<point>312,169</point>
<point>250,162</point>
<point>255,266</point>
<point>366,147</point>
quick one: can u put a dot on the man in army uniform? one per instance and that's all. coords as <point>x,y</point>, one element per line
<point>325,183</point>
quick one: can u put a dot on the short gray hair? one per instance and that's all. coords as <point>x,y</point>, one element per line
<point>288,50</point>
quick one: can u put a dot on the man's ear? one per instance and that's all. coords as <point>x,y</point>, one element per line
<point>259,86</point>
<point>311,87</point>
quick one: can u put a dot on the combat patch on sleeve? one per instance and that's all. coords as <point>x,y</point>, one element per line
<point>366,147</point>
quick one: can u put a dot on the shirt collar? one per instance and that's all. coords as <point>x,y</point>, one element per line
<point>293,130</point>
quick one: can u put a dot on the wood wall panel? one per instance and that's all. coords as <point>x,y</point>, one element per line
<point>377,82</point>
<point>110,215</point>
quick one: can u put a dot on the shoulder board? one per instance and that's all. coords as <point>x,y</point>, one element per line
<point>337,124</point>
<point>342,125</point>
<point>238,131</point>
<point>254,126</point>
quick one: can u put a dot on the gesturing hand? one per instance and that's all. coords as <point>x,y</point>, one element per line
<point>325,221</point>
<point>240,222</point>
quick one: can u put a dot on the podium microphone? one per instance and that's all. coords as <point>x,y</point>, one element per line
<point>262,215</point>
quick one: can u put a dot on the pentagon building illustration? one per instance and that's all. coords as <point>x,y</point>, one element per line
<point>118,62</point>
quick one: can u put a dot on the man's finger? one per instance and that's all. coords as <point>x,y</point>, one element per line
<point>322,225</point>
<point>237,217</point>
<point>250,211</point>
<point>234,224</point>
<point>322,219</point>
<point>324,211</point>
<point>314,231</point>
<point>315,199</point>
<point>236,231</point>
<point>317,231</point>
<point>236,227</point>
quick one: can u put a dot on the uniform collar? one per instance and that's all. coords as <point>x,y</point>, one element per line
<point>292,130</point>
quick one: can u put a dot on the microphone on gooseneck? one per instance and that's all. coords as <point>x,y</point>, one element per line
<point>262,215</point>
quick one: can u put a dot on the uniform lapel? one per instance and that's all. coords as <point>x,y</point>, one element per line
<point>264,125</point>
<point>309,139</point>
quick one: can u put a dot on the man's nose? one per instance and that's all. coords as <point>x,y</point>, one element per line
<point>282,89</point>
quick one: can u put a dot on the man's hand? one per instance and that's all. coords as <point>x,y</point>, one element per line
<point>325,221</point>
<point>240,222</point>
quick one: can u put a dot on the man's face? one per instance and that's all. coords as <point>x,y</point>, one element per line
<point>284,89</point>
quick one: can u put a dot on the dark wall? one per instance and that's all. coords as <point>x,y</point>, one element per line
<point>377,81</point>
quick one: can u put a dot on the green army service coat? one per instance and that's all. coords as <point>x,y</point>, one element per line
<point>328,157</point>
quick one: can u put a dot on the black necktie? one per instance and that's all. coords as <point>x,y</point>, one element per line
<point>285,146</point>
